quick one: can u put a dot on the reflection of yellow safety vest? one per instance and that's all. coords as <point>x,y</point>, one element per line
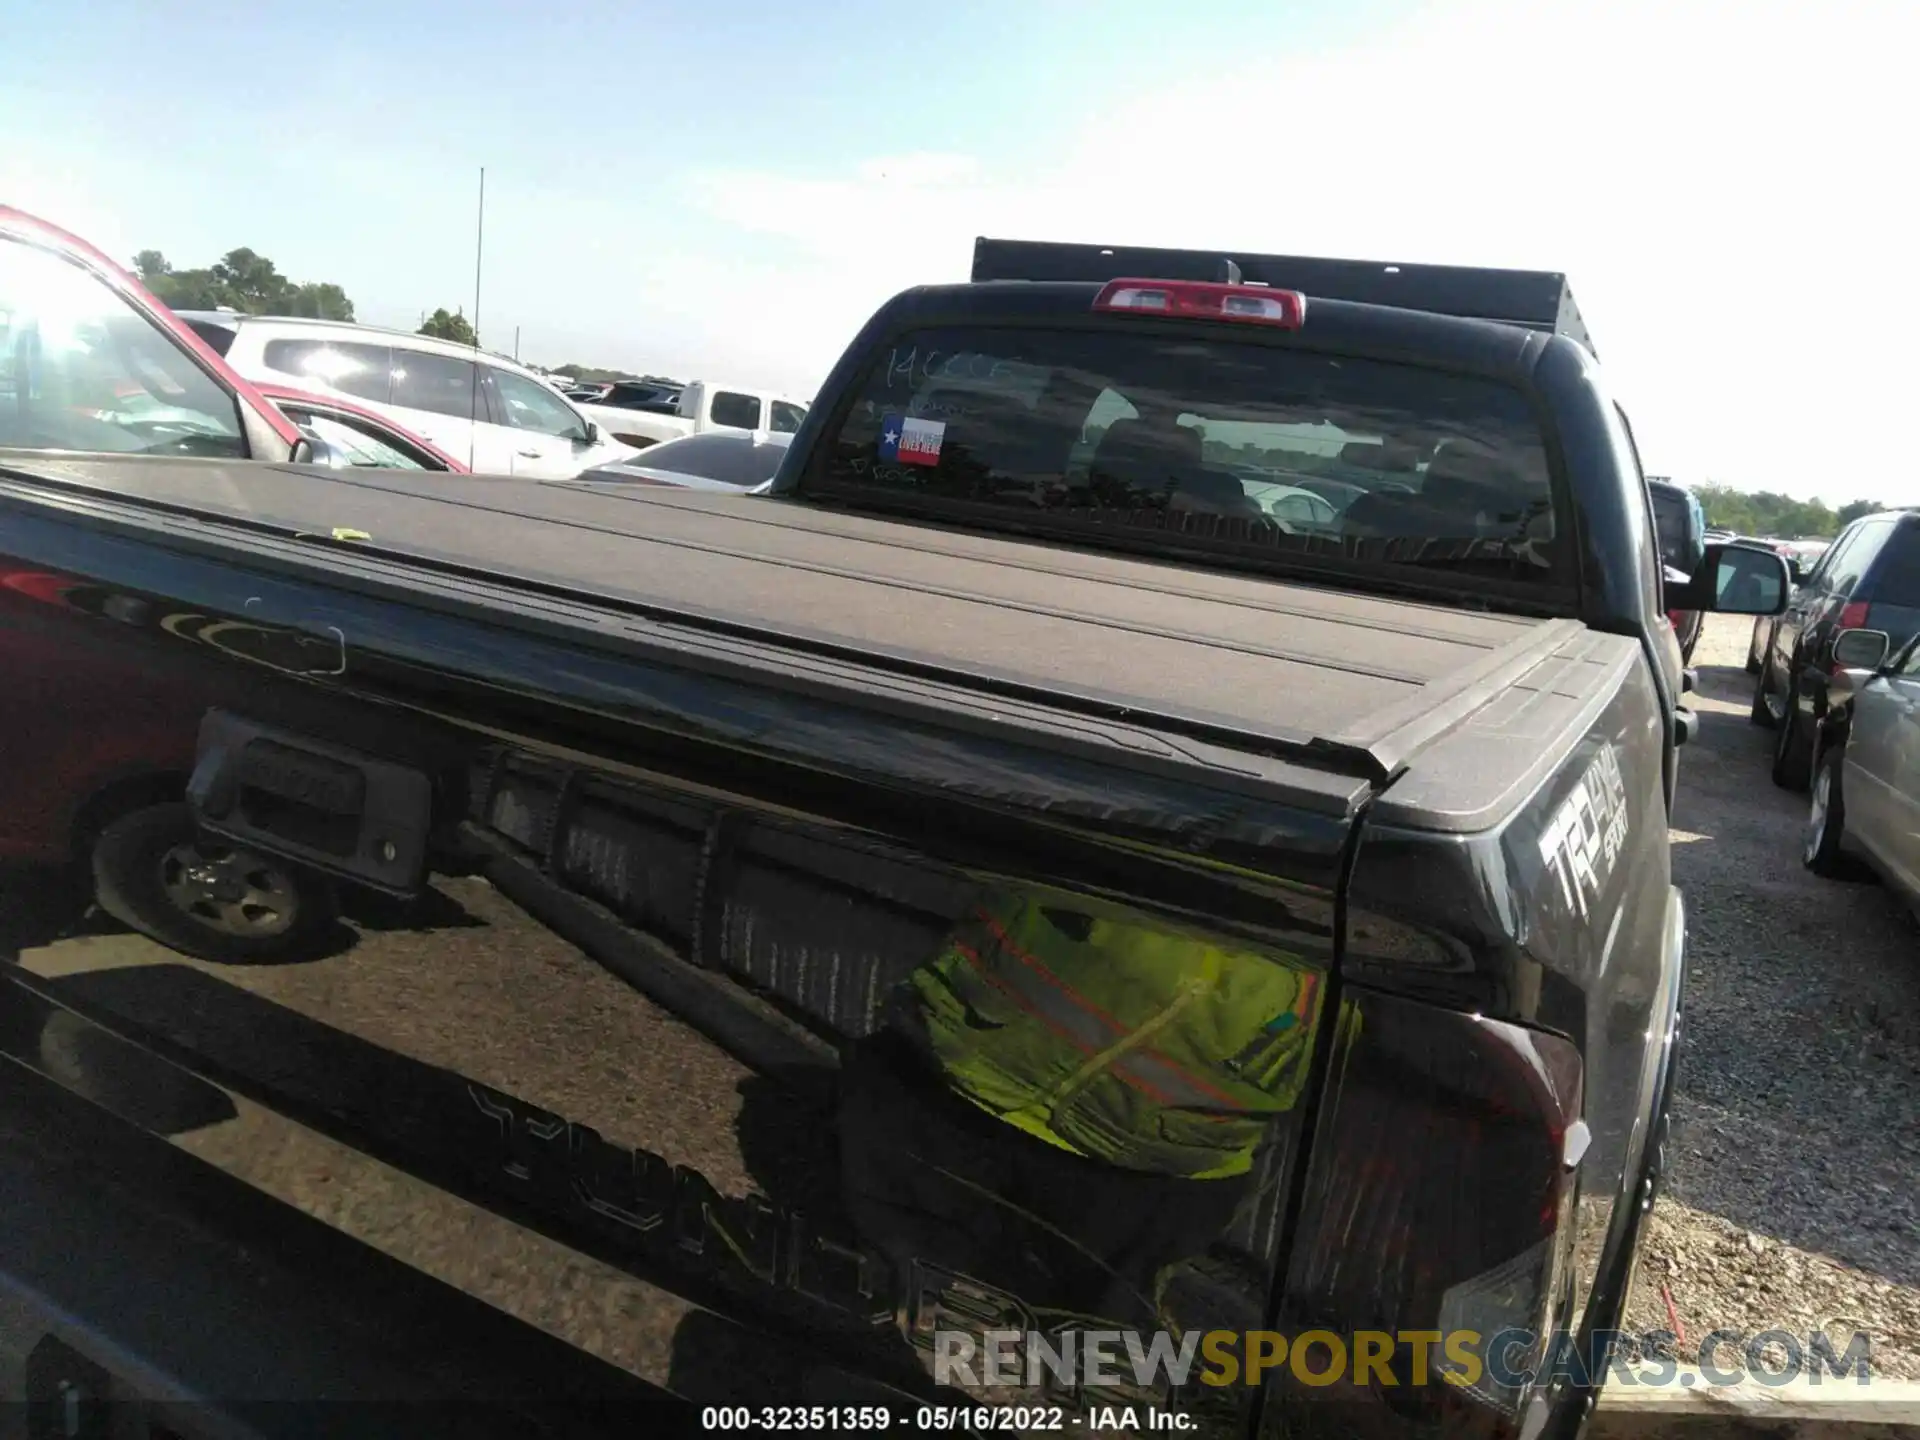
<point>1139,1045</point>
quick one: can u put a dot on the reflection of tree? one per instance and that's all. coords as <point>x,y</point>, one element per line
<point>240,280</point>
<point>1769,513</point>
<point>455,327</point>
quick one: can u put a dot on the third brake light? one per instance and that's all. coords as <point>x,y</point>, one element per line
<point>1203,300</point>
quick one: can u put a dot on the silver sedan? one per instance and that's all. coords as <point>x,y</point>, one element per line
<point>1866,780</point>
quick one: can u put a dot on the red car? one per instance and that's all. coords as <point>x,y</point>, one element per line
<point>357,436</point>
<point>90,363</point>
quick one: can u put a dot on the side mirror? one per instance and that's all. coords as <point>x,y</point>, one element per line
<point>1861,649</point>
<point>310,449</point>
<point>592,435</point>
<point>1733,580</point>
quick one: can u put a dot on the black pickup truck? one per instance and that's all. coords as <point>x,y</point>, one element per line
<point>1155,828</point>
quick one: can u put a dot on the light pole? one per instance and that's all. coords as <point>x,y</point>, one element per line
<point>479,239</point>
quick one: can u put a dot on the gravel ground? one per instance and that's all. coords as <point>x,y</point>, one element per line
<point>1797,1129</point>
<point>1797,1123</point>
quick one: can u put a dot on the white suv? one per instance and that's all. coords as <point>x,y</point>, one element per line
<point>467,402</point>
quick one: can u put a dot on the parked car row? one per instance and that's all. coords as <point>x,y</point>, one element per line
<point>642,415</point>
<point>90,362</point>
<point>500,418</point>
<point>1837,679</point>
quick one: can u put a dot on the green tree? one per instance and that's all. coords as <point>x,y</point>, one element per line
<point>454,327</point>
<point>320,302</point>
<point>1854,509</point>
<point>257,287</point>
<point>1767,513</point>
<point>601,375</point>
<point>243,280</point>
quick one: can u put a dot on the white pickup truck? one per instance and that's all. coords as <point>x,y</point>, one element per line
<point>700,406</point>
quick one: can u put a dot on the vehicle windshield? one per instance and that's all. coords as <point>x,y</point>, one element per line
<point>1218,445</point>
<point>82,370</point>
<point>729,459</point>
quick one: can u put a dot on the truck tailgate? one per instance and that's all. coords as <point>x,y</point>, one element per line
<point>136,1276</point>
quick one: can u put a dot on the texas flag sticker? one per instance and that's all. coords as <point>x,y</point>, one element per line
<point>910,441</point>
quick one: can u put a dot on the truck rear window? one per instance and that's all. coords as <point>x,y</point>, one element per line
<point>1673,526</point>
<point>1218,444</point>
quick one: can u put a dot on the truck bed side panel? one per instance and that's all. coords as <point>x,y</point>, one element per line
<point>1561,915</point>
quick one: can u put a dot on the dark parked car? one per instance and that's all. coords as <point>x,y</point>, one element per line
<point>1868,579</point>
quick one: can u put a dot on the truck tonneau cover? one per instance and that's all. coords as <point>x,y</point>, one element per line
<point>1361,681</point>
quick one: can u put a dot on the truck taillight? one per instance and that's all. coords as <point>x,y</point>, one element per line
<point>1437,1216</point>
<point>1205,300</point>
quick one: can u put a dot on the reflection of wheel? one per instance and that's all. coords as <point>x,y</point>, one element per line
<point>1793,747</point>
<point>1761,714</point>
<point>153,872</point>
<point>1826,815</point>
<point>1690,636</point>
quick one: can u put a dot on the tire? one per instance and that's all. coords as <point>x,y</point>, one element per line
<point>1820,851</point>
<point>249,910</point>
<point>1792,747</point>
<point>1753,652</point>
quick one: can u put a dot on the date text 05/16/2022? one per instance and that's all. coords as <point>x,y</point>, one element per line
<point>939,1419</point>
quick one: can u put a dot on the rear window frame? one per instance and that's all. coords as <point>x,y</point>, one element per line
<point>1559,598</point>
